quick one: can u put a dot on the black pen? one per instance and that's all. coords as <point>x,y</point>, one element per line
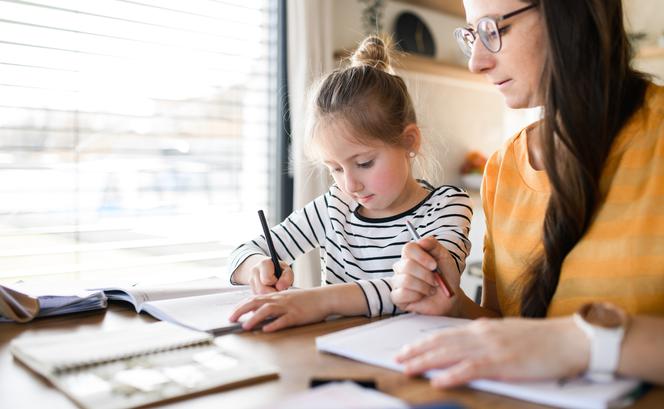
<point>270,245</point>
<point>440,278</point>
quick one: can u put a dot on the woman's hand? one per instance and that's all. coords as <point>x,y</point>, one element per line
<point>506,350</point>
<point>415,287</point>
<point>285,309</point>
<point>262,279</point>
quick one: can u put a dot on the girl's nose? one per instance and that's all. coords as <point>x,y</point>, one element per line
<point>352,184</point>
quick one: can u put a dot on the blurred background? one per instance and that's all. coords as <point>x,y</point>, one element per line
<point>138,138</point>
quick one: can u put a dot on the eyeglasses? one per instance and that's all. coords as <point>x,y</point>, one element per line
<point>488,31</point>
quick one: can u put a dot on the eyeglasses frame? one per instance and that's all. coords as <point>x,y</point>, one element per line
<point>495,20</point>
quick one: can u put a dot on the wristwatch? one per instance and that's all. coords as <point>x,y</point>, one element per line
<point>604,324</point>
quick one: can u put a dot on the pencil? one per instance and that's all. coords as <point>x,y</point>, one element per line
<point>440,278</point>
<point>270,245</point>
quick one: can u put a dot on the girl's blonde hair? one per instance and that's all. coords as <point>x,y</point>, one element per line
<point>366,96</point>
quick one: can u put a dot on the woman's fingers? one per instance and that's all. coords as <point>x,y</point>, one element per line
<point>462,373</point>
<point>414,251</point>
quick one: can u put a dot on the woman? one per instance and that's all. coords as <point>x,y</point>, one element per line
<point>574,207</point>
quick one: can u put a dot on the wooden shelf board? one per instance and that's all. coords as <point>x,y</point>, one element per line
<point>453,7</point>
<point>427,65</point>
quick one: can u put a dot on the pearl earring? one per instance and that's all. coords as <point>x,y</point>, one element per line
<point>411,154</point>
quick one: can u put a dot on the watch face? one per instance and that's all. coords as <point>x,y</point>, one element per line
<point>604,315</point>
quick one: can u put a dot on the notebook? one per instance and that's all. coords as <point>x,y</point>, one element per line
<point>135,366</point>
<point>379,342</point>
<point>203,304</point>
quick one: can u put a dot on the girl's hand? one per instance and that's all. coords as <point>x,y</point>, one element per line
<point>414,286</point>
<point>286,309</point>
<point>263,281</point>
<point>506,350</point>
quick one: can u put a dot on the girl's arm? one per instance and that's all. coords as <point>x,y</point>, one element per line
<point>298,234</point>
<point>299,307</point>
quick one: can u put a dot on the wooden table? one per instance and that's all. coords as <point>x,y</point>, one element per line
<point>292,351</point>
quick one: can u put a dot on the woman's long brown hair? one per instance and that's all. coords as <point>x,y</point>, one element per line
<point>589,91</point>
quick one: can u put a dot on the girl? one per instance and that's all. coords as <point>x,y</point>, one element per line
<point>573,203</point>
<point>364,131</point>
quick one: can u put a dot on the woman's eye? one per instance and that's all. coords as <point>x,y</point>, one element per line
<point>366,164</point>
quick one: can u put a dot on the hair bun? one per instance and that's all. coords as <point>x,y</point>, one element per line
<point>374,51</point>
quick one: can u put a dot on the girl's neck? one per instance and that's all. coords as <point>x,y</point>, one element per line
<point>412,194</point>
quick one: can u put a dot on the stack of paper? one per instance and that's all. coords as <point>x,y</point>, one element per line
<point>23,302</point>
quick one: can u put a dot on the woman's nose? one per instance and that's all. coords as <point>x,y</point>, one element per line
<point>481,59</point>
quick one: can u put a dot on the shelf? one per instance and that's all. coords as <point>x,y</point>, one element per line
<point>427,65</point>
<point>453,7</point>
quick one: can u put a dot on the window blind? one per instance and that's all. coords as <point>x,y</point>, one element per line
<point>136,137</point>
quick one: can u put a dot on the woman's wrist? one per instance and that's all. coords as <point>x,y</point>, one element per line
<point>576,346</point>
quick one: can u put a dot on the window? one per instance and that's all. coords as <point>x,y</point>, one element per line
<point>136,136</point>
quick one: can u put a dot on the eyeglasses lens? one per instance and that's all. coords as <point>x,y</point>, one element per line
<point>489,34</point>
<point>465,40</point>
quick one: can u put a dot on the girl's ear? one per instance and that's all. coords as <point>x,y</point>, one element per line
<point>411,138</point>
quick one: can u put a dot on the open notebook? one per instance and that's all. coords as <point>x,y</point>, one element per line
<point>379,342</point>
<point>203,304</point>
<point>135,366</point>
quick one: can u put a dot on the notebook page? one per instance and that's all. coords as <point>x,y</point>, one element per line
<point>378,344</point>
<point>203,313</point>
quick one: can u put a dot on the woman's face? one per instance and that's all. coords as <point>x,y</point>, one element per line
<point>516,69</point>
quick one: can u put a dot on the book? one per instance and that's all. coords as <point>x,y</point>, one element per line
<point>378,343</point>
<point>203,304</point>
<point>135,366</point>
<point>23,302</point>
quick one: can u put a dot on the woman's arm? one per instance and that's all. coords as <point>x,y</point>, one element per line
<point>641,353</point>
<point>416,290</point>
<point>299,307</point>
<point>519,349</point>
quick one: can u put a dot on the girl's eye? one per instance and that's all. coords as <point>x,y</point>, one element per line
<point>366,165</point>
<point>335,170</point>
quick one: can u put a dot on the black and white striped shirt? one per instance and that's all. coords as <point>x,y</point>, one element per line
<point>354,248</point>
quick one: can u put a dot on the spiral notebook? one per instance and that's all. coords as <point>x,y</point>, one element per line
<point>136,366</point>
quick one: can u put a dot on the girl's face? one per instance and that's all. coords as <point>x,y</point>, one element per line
<point>377,176</point>
<point>516,69</point>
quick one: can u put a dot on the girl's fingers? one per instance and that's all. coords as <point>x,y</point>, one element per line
<point>266,274</point>
<point>262,313</point>
<point>286,279</point>
<point>244,308</point>
<point>280,323</point>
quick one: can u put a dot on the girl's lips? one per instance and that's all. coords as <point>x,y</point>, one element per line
<point>364,198</point>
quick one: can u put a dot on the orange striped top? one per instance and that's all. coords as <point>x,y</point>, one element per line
<point>620,258</point>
